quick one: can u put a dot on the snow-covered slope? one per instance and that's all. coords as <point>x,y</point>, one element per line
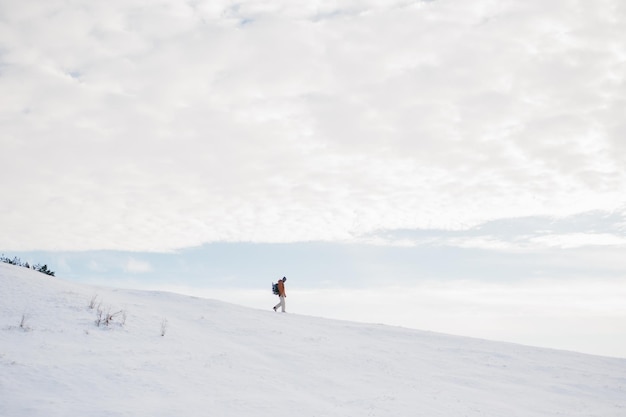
<point>218,359</point>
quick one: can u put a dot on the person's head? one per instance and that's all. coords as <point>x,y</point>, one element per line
<point>284,279</point>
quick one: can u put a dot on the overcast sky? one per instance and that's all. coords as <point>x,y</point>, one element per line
<point>407,140</point>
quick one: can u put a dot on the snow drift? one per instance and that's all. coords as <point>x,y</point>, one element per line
<point>218,359</point>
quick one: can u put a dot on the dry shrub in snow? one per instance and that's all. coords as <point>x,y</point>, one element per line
<point>107,318</point>
<point>23,321</point>
<point>163,327</point>
<point>92,302</point>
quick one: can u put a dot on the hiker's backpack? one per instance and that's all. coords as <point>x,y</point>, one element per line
<point>275,288</point>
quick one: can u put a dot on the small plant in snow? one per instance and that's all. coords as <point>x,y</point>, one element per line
<point>163,327</point>
<point>99,314</point>
<point>93,301</point>
<point>107,318</point>
<point>23,321</point>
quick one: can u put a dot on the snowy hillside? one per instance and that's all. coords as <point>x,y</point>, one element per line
<point>217,359</point>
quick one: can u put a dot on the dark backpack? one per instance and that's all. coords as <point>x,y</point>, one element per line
<point>275,288</point>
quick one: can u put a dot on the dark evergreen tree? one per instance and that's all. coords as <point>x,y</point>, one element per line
<point>17,261</point>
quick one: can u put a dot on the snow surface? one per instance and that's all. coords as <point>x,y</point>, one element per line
<point>219,359</point>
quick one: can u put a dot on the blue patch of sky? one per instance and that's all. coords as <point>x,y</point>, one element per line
<point>356,11</point>
<point>336,14</point>
<point>349,265</point>
<point>323,265</point>
<point>74,74</point>
<point>235,12</point>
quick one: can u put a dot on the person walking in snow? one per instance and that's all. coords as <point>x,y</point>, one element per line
<point>281,294</point>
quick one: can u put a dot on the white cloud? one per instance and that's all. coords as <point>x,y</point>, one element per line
<point>135,266</point>
<point>575,240</point>
<point>533,242</point>
<point>96,266</point>
<point>158,126</point>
